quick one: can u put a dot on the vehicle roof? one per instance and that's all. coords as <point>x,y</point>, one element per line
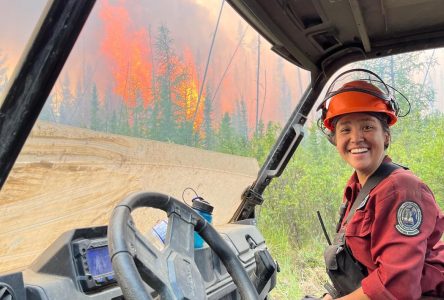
<point>323,35</point>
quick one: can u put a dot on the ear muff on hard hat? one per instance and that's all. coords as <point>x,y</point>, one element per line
<point>350,93</point>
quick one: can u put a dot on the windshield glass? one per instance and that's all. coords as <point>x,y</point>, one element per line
<point>179,97</point>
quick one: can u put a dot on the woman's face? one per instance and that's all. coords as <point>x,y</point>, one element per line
<point>360,141</point>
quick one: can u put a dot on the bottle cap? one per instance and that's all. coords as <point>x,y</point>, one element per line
<point>201,204</point>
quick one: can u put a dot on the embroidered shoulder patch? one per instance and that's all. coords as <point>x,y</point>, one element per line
<point>409,218</point>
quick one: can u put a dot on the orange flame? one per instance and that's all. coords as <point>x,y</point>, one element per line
<point>189,92</point>
<point>127,49</point>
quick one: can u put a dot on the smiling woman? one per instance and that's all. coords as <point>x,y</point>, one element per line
<point>390,226</point>
<point>360,140</point>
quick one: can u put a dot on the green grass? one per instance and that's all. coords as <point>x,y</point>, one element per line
<point>301,268</point>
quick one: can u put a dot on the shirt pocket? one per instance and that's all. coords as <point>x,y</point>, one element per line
<point>360,224</point>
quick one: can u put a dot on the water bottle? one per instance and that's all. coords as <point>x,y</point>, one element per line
<point>203,208</point>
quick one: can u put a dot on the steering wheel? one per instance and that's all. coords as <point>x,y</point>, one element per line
<point>171,271</point>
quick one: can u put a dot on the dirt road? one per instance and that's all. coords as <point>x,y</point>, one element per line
<point>69,178</point>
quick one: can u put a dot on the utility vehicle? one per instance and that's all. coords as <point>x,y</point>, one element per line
<point>68,226</point>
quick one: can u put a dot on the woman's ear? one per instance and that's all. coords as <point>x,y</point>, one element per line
<point>386,139</point>
<point>332,139</point>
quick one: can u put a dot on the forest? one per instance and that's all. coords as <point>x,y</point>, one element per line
<point>180,112</point>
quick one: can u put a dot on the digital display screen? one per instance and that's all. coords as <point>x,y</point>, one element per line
<point>98,260</point>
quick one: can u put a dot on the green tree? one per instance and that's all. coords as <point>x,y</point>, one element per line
<point>67,103</point>
<point>226,137</point>
<point>120,119</point>
<point>166,60</point>
<point>139,115</point>
<point>241,120</point>
<point>113,123</point>
<point>263,141</point>
<point>208,120</point>
<point>95,121</point>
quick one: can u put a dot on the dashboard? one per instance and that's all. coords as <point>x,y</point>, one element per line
<point>77,266</point>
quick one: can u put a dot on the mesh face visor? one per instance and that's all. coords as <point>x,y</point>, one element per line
<point>376,86</point>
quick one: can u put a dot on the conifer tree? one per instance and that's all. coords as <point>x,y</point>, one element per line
<point>226,138</point>
<point>166,62</point>
<point>208,140</point>
<point>66,100</point>
<point>113,124</point>
<point>139,117</point>
<point>242,120</point>
<point>95,122</point>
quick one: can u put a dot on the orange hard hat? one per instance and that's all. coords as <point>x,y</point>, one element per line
<point>357,96</point>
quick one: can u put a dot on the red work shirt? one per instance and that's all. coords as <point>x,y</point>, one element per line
<point>396,234</point>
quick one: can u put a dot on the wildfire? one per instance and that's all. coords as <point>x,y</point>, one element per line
<point>118,52</point>
<point>189,92</point>
<point>158,68</point>
<point>127,49</point>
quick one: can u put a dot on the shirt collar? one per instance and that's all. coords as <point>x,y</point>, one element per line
<point>353,186</point>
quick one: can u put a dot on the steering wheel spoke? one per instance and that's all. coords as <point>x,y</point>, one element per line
<point>180,231</point>
<point>152,266</point>
<point>140,267</point>
<point>183,273</point>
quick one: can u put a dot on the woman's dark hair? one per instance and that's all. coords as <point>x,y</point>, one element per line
<point>383,119</point>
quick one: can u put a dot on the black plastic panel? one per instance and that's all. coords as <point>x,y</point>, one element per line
<point>12,285</point>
